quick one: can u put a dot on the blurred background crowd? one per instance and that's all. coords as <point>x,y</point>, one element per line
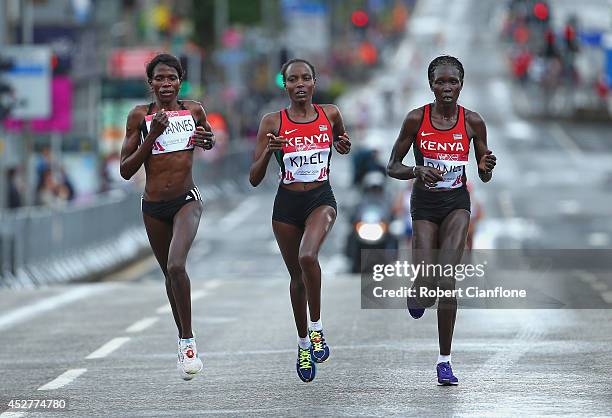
<point>62,146</point>
<point>63,112</point>
<point>560,61</point>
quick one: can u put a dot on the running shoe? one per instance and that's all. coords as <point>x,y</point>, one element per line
<point>318,347</point>
<point>188,363</point>
<point>445,375</point>
<point>413,308</point>
<point>304,365</point>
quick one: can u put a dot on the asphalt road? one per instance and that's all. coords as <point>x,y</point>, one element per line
<point>108,348</point>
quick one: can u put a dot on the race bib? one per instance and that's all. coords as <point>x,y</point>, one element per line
<point>452,172</point>
<point>177,136</point>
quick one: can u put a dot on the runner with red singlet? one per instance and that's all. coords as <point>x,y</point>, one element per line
<point>440,202</point>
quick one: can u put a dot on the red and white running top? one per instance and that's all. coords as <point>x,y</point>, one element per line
<point>444,149</point>
<point>305,158</point>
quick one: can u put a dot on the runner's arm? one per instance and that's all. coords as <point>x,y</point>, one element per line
<point>341,140</point>
<point>403,143</point>
<point>133,155</point>
<point>484,156</point>
<point>203,136</point>
<point>269,124</point>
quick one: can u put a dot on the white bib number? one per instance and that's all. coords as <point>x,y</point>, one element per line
<point>452,172</point>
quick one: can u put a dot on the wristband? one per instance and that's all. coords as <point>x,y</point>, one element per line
<point>414,171</point>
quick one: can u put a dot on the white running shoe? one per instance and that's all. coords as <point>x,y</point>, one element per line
<point>188,363</point>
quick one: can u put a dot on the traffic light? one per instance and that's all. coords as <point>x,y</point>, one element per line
<point>279,80</point>
<point>360,18</point>
<point>541,12</point>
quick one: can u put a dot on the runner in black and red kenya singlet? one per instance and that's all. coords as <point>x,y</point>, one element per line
<point>440,204</point>
<point>162,136</point>
<point>301,138</point>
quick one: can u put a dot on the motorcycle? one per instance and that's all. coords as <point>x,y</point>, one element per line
<point>373,228</point>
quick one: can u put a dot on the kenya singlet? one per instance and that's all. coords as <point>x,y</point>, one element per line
<point>305,157</point>
<point>444,149</point>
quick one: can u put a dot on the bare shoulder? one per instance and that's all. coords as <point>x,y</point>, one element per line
<point>331,110</point>
<point>473,118</point>
<point>195,107</point>
<point>137,114</point>
<point>270,122</point>
<point>270,117</point>
<point>192,104</point>
<point>415,115</point>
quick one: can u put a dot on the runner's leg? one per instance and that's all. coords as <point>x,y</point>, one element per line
<point>160,235</point>
<point>186,222</point>
<point>424,245</point>
<point>453,233</point>
<point>288,238</point>
<point>318,225</point>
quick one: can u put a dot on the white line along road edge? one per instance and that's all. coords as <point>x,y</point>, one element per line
<point>50,303</point>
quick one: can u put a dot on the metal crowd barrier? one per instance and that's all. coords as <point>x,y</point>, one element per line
<point>40,245</point>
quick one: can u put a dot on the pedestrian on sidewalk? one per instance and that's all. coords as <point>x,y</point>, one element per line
<point>300,137</point>
<point>171,203</point>
<point>441,133</point>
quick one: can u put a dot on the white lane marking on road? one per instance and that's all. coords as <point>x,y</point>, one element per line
<point>164,309</point>
<point>239,213</point>
<point>273,247</point>
<point>142,324</point>
<point>586,276</point>
<point>506,205</point>
<point>520,130</point>
<point>598,239</point>
<point>201,249</point>
<point>198,294</point>
<point>134,271</point>
<point>10,414</point>
<point>63,379</point>
<point>333,265</point>
<point>569,207</point>
<point>607,296</point>
<point>599,286</point>
<point>516,347</point>
<point>21,314</point>
<point>593,280</point>
<point>566,142</point>
<point>212,284</point>
<point>108,348</point>
<point>215,319</point>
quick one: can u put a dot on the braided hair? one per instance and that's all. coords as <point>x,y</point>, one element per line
<point>441,61</point>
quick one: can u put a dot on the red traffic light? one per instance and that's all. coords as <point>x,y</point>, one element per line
<point>540,11</point>
<point>359,18</point>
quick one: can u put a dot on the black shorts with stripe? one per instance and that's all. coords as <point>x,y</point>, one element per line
<point>165,210</point>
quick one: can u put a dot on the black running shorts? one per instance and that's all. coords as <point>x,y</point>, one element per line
<point>164,210</point>
<point>435,206</point>
<point>293,207</point>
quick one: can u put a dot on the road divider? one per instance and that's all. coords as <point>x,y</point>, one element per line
<point>108,348</point>
<point>63,379</point>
